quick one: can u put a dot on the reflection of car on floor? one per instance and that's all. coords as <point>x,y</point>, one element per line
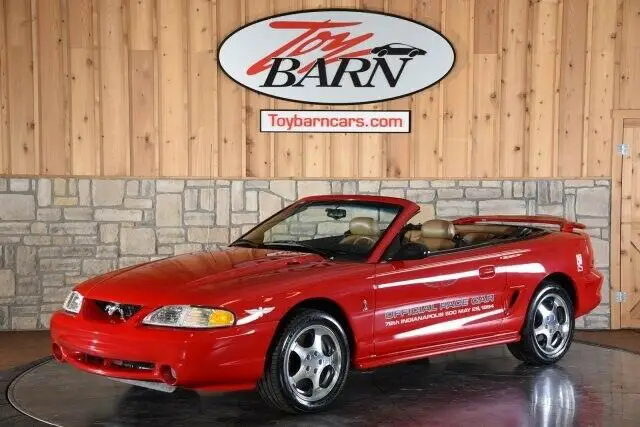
<point>398,49</point>
<point>507,396</point>
<point>500,396</point>
<point>327,284</point>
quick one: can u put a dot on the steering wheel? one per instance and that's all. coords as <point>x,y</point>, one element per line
<point>364,241</point>
<point>459,241</point>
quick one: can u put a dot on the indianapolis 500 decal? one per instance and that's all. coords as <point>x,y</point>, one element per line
<point>427,311</point>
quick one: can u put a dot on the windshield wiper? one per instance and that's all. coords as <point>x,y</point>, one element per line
<point>247,242</point>
<point>298,245</point>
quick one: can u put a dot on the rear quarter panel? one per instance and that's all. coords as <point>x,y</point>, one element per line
<point>566,255</point>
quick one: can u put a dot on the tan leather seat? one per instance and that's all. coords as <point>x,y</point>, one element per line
<point>364,231</point>
<point>475,237</point>
<point>473,234</point>
<point>435,235</point>
<point>483,228</point>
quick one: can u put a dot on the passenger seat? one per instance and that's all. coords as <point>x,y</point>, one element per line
<point>475,237</point>
<point>435,235</point>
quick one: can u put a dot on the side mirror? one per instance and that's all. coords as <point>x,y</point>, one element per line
<point>411,250</point>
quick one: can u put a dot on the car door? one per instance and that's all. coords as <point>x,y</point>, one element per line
<point>445,297</point>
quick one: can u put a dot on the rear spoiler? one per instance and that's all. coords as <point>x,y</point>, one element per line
<point>565,225</point>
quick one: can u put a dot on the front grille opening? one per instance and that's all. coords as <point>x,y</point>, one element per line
<point>93,360</point>
<point>127,365</point>
<point>117,312</point>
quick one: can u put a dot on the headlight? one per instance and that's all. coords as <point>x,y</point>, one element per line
<point>73,303</point>
<point>186,316</point>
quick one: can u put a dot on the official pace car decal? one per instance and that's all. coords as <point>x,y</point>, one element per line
<point>439,310</point>
<point>336,56</point>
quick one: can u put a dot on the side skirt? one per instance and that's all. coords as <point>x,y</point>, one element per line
<point>421,353</point>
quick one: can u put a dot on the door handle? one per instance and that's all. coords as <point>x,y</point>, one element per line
<point>487,272</point>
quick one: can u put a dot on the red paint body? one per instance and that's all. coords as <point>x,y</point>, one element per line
<point>240,279</point>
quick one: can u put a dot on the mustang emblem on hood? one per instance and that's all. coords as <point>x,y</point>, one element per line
<point>254,314</point>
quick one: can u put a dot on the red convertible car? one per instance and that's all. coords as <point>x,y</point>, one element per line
<point>328,284</point>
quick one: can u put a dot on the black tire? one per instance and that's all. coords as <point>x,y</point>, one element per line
<point>528,349</point>
<point>274,386</point>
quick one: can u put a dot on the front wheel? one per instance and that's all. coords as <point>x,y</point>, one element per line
<point>308,366</point>
<point>549,327</point>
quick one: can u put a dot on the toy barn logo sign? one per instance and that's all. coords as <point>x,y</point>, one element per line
<point>336,56</point>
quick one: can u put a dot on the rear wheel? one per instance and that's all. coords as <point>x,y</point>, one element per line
<point>548,329</point>
<point>308,366</point>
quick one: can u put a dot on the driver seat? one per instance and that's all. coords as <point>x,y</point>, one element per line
<point>363,231</point>
<point>435,235</point>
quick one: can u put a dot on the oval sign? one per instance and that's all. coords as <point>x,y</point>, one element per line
<point>336,56</point>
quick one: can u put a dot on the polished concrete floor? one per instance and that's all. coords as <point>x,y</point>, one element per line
<point>592,386</point>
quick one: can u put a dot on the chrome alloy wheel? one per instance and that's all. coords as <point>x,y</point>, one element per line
<point>313,362</point>
<point>552,325</point>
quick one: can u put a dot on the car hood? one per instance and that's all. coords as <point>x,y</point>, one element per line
<point>195,278</point>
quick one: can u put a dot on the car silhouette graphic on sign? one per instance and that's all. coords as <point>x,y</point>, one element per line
<point>398,49</point>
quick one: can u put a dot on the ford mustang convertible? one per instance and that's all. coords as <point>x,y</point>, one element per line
<point>329,284</point>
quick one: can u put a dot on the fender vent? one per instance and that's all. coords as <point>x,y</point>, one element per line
<point>514,298</point>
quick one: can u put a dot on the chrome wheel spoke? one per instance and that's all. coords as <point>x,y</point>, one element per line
<point>549,343</point>
<point>315,380</point>
<point>298,376</point>
<point>541,330</point>
<point>555,306</point>
<point>544,311</point>
<point>335,360</point>
<point>317,343</point>
<point>299,350</point>
<point>547,336</point>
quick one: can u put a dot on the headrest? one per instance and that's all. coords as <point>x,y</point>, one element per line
<point>438,229</point>
<point>363,226</point>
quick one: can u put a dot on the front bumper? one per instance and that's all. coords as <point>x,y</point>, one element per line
<point>219,359</point>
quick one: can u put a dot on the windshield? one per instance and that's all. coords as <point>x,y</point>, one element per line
<point>347,229</point>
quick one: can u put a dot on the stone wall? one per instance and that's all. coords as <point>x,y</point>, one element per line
<point>55,233</point>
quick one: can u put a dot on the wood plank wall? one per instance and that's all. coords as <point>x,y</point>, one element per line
<point>132,88</point>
